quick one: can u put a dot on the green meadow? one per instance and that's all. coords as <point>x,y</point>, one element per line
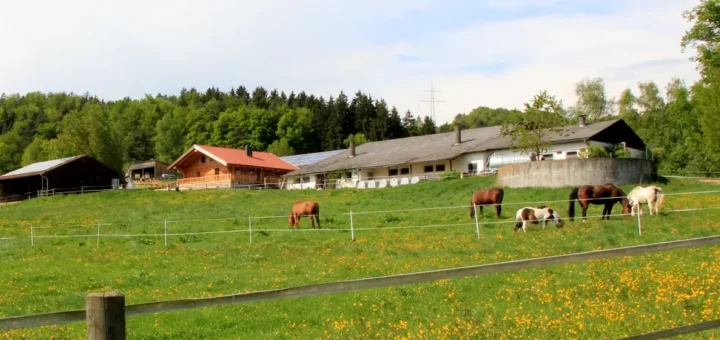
<point>597,299</point>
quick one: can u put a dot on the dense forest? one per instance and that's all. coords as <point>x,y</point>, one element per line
<point>37,126</point>
<point>680,123</point>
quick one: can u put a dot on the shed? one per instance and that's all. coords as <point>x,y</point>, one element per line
<point>147,171</point>
<point>57,175</point>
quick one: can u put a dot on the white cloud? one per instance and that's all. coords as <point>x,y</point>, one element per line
<point>322,46</point>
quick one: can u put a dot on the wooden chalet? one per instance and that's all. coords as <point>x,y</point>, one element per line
<point>204,166</point>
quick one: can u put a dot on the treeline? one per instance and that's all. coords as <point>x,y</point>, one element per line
<point>41,126</point>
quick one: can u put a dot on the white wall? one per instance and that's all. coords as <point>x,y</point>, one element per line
<point>309,183</point>
<point>636,153</point>
<point>478,159</point>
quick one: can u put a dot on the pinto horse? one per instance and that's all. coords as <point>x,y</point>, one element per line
<point>533,215</point>
<point>310,209</point>
<point>606,194</point>
<point>486,197</point>
<point>651,195</point>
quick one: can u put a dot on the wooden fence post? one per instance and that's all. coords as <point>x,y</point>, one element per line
<point>105,316</point>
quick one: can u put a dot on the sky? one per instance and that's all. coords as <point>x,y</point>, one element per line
<point>495,53</point>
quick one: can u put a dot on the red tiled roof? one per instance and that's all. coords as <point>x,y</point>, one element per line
<point>239,157</point>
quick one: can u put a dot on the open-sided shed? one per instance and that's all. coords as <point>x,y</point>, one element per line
<point>147,171</point>
<point>57,175</point>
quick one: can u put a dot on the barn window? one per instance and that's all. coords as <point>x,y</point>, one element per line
<point>405,171</point>
<point>440,167</point>
<point>471,167</point>
<point>202,159</point>
<point>217,171</point>
<point>428,168</point>
<point>371,175</point>
<point>393,172</point>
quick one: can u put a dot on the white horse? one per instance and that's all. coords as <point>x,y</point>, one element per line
<point>533,215</point>
<point>651,195</point>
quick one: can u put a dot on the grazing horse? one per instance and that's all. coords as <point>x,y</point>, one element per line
<point>606,194</point>
<point>487,197</point>
<point>533,215</point>
<point>651,195</point>
<point>310,209</point>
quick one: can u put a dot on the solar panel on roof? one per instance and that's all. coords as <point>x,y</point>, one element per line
<point>310,158</point>
<point>38,167</point>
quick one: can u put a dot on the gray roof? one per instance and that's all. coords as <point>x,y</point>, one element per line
<point>148,164</point>
<point>567,134</point>
<point>310,158</point>
<point>38,168</point>
<point>436,147</point>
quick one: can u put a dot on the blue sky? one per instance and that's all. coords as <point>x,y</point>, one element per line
<point>496,53</point>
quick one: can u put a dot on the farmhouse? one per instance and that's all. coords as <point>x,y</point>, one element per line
<point>471,151</point>
<point>56,176</point>
<point>204,166</point>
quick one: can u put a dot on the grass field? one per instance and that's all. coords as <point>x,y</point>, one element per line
<point>598,299</point>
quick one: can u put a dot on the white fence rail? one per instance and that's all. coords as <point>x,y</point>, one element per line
<point>169,229</point>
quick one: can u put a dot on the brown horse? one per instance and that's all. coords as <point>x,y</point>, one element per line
<point>490,196</point>
<point>606,194</point>
<point>310,209</point>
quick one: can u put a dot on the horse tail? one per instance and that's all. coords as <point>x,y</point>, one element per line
<point>660,197</point>
<point>571,205</point>
<point>499,202</point>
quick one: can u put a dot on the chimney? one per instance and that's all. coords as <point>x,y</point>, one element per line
<point>248,150</point>
<point>352,147</point>
<point>581,120</point>
<point>458,136</point>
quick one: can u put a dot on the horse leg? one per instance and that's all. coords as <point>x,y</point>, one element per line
<point>650,207</point>
<point>524,226</point>
<point>481,211</point>
<point>608,210</point>
<point>498,209</point>
<point>544,223</point>
<point>584,205</point>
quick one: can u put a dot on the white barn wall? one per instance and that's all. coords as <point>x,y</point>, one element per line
<point>291,185</point>
<point>461,163</point>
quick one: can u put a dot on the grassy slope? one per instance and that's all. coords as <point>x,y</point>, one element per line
<point>597,299</point>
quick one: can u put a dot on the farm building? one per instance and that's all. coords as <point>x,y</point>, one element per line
<point>147,171</point>
<point>204,166</point>
<point>308,159</point>
<point>471,151</point>
<point>56,176</point>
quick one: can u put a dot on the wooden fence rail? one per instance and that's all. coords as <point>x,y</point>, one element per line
<point>370,283</point>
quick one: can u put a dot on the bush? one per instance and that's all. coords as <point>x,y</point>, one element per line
<point>595,151</point>
<point>450,175</point>
<point>620,152</point>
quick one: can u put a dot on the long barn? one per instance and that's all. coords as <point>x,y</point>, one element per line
<point>57,175</point>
